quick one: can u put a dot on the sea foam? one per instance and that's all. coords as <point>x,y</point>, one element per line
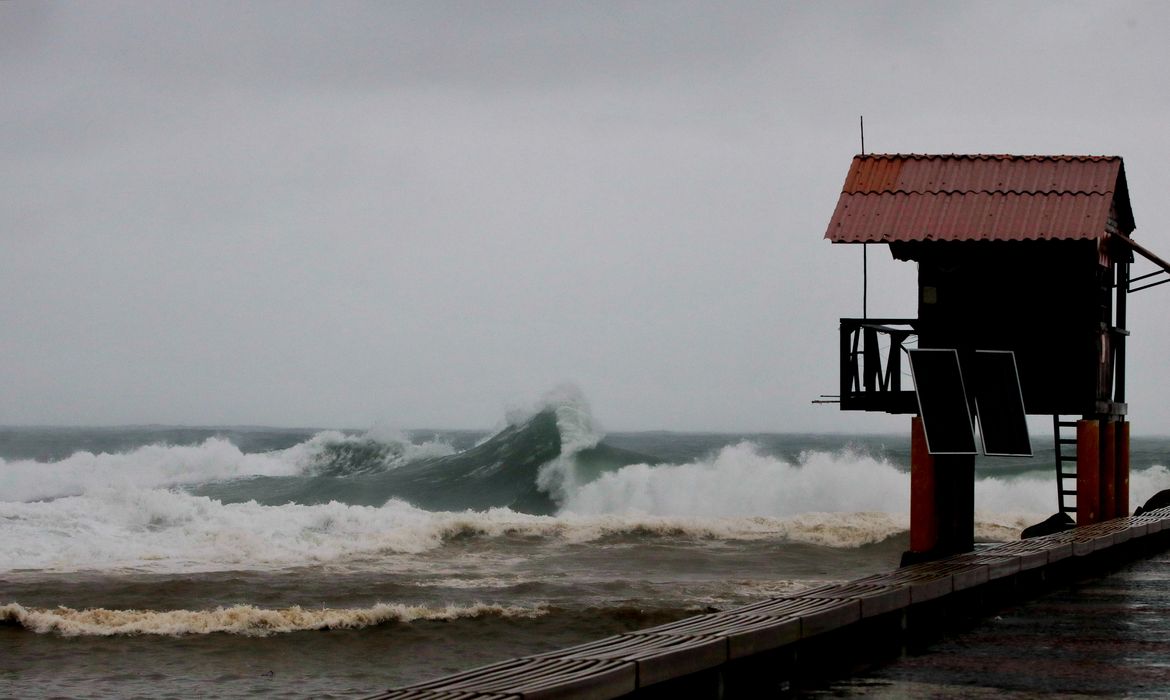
<point>163,531</point>
<point>148,466</point>
<point>123,512</point>
<point>841,498</point>
<point>740,480</point>
<point>243,620</point>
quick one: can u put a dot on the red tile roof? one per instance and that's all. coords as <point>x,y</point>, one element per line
<point>890,198</point>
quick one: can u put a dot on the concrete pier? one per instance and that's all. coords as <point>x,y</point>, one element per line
<point>801,641</point>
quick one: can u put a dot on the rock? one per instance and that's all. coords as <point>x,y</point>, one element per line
<point>1057,523</point>
<point>1158,500</point>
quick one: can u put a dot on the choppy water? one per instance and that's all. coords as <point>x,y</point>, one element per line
<point>234,562</point>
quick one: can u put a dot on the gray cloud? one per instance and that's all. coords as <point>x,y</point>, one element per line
<point>418,213</point>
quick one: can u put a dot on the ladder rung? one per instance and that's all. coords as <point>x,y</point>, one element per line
<point>1062,429</point>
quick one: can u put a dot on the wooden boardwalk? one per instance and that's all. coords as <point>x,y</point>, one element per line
<point>1100,637</point>
<point>780,643</point>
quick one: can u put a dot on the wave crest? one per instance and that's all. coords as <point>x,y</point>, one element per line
<point>335,454</point>
<point>577,431</point>
<point>246,620</point>
<point>158,465</point>
<point>740,479</point>
<point>328,453</point>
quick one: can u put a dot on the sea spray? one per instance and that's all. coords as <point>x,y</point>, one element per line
<point>560,477</point>
<point>1147,482</point>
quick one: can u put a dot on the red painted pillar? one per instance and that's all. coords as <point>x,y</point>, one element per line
<point>1108,470</point>
<point>1122,468</point>
<point>1088,472</point>
<point>923,506</point>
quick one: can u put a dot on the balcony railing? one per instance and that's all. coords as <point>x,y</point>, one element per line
<point>872,362</point>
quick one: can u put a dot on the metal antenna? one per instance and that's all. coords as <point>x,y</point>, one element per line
<point>865,280</point>
<point>864,246</point>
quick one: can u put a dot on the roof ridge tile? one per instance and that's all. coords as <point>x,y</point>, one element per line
<point>1020,193</point>
<point>989,156</point>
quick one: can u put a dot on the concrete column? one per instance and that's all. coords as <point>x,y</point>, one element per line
<point>942,499</point>
<point>1108,470</point>
<point>923,514</point>
<point>1122,490</point>
<point>1088,472</point>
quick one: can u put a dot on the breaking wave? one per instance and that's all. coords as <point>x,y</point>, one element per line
<point>150,466</point>
<point>740,479</point>
<point>167,531</point>
<point>149,530</point>
<point>246,620</point>
<point>328,453</point>
<point>547,475</point>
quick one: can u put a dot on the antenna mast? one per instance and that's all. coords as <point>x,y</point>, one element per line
<point>864,246</point>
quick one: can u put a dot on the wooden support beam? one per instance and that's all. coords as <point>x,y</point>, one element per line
<point>1141,250</point>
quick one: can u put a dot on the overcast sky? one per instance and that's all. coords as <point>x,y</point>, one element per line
<point>421,214</point>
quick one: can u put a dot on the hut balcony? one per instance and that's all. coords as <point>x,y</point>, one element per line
<point>872,366</point>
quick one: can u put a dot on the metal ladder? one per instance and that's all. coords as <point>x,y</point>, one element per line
<point>1060,429</point>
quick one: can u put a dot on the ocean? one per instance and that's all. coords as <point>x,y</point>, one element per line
<point>234,562</point>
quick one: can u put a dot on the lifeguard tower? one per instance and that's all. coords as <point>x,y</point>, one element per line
<point>1023,271</point>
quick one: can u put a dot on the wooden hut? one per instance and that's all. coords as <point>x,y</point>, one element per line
<point>1027,254</point>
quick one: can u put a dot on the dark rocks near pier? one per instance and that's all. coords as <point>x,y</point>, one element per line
<point>1158,500</point>
<point>1057,523</point>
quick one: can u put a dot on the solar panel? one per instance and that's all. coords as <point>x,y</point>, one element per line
<point>942,401</point>
<point>999,404</point>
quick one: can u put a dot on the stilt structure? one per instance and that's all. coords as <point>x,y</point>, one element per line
<point>1023,270</point>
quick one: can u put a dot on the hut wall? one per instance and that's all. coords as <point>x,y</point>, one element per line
<point>1046,300</point>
